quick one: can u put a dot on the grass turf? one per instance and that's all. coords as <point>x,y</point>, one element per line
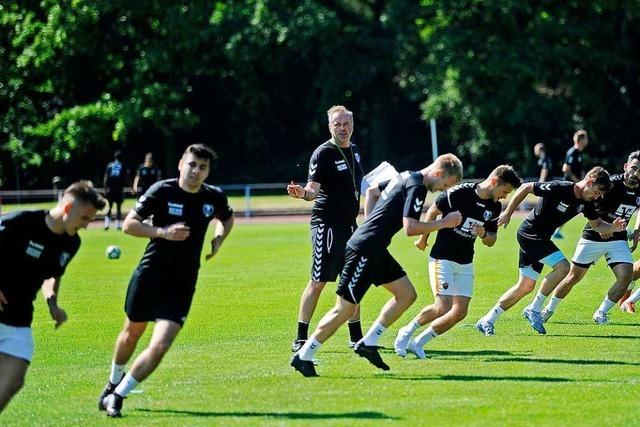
<point>230,364</point>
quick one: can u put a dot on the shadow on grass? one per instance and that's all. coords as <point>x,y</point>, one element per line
<point>474,353</point>
<point>609,337</point>
<point>468,378</point>
<point>563,361</point>
<point>590,323</point>
<point>365,415</point>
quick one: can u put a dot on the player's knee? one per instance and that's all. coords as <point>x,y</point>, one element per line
<point>131,336</point>
<point>409,296</point>
<point>159,349</point>
<point>562,268</point>
<point>316,287</point>
<point>458,313</point>
<point>527,286</point>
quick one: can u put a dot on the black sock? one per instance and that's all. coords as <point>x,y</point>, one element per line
<point>303,331</point>
<point>355,330</point>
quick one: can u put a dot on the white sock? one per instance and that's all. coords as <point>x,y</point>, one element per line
<point>413,326</point>
<point>553,303</point>
<point>493,314</point>
<point>127,384</point>
<point>634,296</point>
<point>538,301</point>
<point>425,336</point>
<point>374,333</point>
<point>606,305</point>
<point>117,372</point>
<point>632,285</point>
<point>309,349</point>
<point>107,220</point>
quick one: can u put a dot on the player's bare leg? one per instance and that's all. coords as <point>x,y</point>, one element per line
<point>575,275</point>
<point>524,286</point>
<point>624,275</point>
<point>427,315</point>
<point>12,374</point>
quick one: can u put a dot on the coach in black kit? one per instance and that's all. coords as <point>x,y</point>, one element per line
<point>35,250</point>
<point>334,180</point>
<point>389,207</point>
<point>163,284</point>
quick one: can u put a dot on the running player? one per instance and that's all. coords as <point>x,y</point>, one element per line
<point>368,261</point>
<point>451,259</point>
<point>162,286</point>
<point>559,202</point>
<point>114,183</point>
<point>35,250</point>
<point>334,180</point>
<point>618,204</point>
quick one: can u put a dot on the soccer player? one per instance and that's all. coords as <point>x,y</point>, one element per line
<point>367,260</point>
<point>572,166</point>
<point>35,250</point>
<point>114,183</point>
<point>334,180</point>
<point>146,175</point>
<point>619,204</point>
<point>451,259</point>
<point>559,202</point>
<point>162,286</point>
<point>628,304</point>
<point>544,162</point>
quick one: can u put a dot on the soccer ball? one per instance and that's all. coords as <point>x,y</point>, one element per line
<point>113,252</point>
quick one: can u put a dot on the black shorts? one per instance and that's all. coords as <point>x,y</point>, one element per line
<point>114,195</point>
<point>328,242</point>
<point>155,294</point>
<point>360,272</point>
<point>534,251</point>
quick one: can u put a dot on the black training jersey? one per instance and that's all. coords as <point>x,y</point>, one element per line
<point>620,202</point>
<point>147,176</point>
<point>403,196</point>
<point>544,162</point>
<point>30,253</point>
<point>115,175</point>
<point>457,244</point>
<point>169,204</point>
<point>339,173</point>
<point>574,160</point>
<point>556,206</point>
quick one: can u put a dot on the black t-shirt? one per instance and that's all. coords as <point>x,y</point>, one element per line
<point>556,206</point>
<point>620,202</point>
<point>457,244</point>
<point>147,176</point>
<point>30,253</point>
<point>339,173</point>
<point>574,160</point>
<point>115,175</point>
<point>544,162</point>
<point>169,204</point>
<point>403,196</point>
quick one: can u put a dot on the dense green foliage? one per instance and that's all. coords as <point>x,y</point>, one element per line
<point>229,366</point>
<point>253,79</point>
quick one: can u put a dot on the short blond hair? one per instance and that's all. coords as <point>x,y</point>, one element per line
<point>450,164</point>
<point>338,109</point>
<point>580,135</point>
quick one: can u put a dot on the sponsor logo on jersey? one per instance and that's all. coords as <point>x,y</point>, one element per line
<point>562,207</point>
<point>342,167</point>
<point>357,156</point>
<point>2,227</point>
<point>467,226</point>
<point>34,249</point>
<point>417,205</point>
<point>339,162</point>
<point>545,187</point>
<point>625,211</point>
<point>175,208</point>
<point>207,210</point>
<point>64,258</point>
<point>312,168</point>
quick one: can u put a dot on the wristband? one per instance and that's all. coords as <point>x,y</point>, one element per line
<point>305,194</point>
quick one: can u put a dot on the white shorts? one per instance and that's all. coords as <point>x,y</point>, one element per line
<point>450,278</point>
<point>16,341</point>
<point>615,252</point>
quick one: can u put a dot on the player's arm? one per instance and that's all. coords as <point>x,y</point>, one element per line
<point>520,194</point>
<point>413,227</point>
<point>604,227</point>
<point>371,197</point>
<point>309,192</point>
<point>568,172</point>
<point>50,289</point>
<point>544,174</point>
<point>136,180</point>
<point>432,213</point>
<point>223,228</point>
<point>134,226</point>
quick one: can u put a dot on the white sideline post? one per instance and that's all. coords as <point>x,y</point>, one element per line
<point>434,139</point>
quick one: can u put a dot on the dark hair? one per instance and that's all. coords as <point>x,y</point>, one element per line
<point>600,177</point>
<point>83,190</point>
<point>201,151</point>
<point>507,175</point>
<point>117,155</point>
<point>634,156</point>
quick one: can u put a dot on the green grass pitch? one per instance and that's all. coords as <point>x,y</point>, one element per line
<point>230,364</point>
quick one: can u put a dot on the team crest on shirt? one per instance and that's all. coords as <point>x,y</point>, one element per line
<point>175,208</point>
<point>487,215</point>
<point>64,258</point>
<point>579,208</point>
<point>207,210</point>
<point>638,201</point>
